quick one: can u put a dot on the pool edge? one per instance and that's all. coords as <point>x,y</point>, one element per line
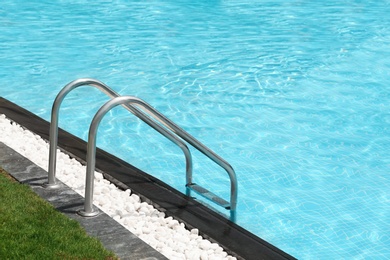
<point>233,238</point>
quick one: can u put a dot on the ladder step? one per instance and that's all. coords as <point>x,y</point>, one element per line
<point>209,195</point>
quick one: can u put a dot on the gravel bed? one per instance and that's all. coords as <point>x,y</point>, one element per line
<point>165,234</point>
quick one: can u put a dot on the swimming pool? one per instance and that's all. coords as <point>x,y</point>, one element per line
<point>294,95</point>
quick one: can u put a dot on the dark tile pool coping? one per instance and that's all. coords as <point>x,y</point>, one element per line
<point>233,238</point>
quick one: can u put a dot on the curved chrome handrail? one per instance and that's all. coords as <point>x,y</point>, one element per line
<point>53,137</point>
<point>91,151</point>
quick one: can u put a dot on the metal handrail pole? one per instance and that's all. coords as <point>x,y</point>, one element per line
<point>91,149</point>
<point>108,91</point>
<point>53,134</point>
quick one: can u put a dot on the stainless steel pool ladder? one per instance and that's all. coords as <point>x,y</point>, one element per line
<point>134,105</point>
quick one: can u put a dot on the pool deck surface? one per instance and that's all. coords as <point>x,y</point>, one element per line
<point>113,236</point>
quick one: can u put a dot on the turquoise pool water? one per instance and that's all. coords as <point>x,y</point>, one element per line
<point>294,95</point>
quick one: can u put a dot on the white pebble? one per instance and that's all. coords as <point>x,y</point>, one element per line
<point>195,231</point>
<point>205,244</point>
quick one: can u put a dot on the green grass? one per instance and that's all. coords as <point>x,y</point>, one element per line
<point>30,228</point>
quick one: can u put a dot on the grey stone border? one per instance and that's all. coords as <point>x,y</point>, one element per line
<point>113,236</point>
